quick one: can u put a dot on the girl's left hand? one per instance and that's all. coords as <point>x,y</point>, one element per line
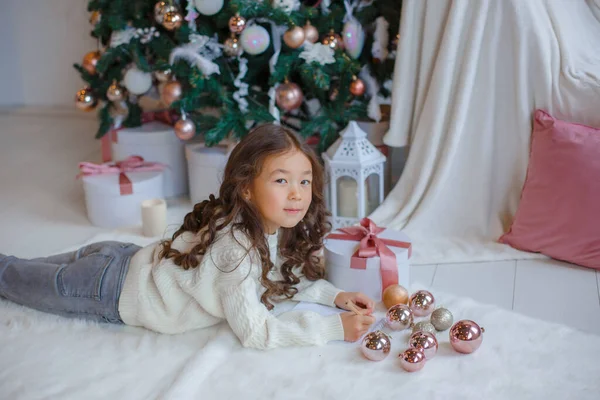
<point>361,300</point>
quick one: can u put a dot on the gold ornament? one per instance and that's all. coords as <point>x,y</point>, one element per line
<point>441,319</point>
<point>85,99</point>
<point>163,76</point>
<point>422,303</point>
<point>237,24</point>
<point>95,17</point>
<point>232,47</point>
<point>294,37</point>
<point>90,61</point>
<point>357,87</point>
<point>333,40</point>
<point>310,32</point>
<point>185,129</point>
<point>289,96</point>
<point>171,92</point>
<point>424,326</point>
<point>395,294</point>
<point>115,92</point>
<point>172,20</point>
<point>160,11</point>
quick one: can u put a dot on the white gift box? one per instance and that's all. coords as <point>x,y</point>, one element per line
<point>206,166</point>
<point>338,255</point>
<point>108,208</point>
<point>155,141</point>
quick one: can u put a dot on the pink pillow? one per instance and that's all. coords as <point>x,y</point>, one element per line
<point>559,212</point>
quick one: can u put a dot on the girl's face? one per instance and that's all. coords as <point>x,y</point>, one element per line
<point>283,190</point>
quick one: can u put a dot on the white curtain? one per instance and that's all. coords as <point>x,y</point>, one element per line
<point>469,74</point>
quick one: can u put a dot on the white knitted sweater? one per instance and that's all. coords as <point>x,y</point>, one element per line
<point>161,296</point>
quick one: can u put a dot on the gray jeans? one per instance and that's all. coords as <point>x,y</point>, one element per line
<point>85,283</point>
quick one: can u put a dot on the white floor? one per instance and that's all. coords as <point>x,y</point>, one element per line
<point>42,212</point>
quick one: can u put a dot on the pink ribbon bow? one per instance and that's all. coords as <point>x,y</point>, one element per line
<point>130,164</point>
<point>371,246</point>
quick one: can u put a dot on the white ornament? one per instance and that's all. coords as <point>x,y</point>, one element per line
<point>208,7</point>
<point>318,52</point>
<point>287,5</point>
<point>118,38</point>
<point>381,39</point>
<point>255,39</point>
<point>146,35</point>
<point>137,81</point>
<point>325,4</point>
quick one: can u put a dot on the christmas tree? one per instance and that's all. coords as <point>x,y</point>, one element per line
<point>313,65</point>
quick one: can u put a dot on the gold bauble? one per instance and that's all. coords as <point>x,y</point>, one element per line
<point>311,33</point>
<point>289,96</point>
<point>90,61</point>
<point>237,24</point>
<point>95,17</point>
<point>172,20</point>
<point>171,92</point>
<point>85,99</point>
<point>163,76</point>
<point>357,87</point>
<point>395,294</point>
<point>159,11</point>
<point>333,40</point>
<point>115,92</point>
<point>185,129</point>
<point>232,47</point>
<point>294,38</point>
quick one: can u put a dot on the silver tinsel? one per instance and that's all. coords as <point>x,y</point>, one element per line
<point>441,319</point>
<point>424,326</point>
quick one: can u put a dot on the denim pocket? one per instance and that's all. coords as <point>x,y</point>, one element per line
<point>84,277</point>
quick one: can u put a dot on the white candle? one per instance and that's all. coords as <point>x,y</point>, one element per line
<point>154,217</point>
<point>347,195</point>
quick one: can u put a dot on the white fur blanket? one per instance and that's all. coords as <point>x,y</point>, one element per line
<point>48,357</point>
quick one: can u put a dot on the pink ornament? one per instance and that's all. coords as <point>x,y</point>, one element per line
<point>466,336</point>
<point>422,303</point>
<point>425,341</point>
<point>412,360</point>
<point>353,37</point>
<point>399,317</point>
<point>376,346</point>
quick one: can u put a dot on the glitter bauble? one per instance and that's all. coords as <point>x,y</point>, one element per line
<point>441,318</point>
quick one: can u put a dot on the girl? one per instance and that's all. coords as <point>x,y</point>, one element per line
<point>232,259</point>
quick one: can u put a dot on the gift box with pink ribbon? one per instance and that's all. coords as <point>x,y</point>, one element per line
<point>114,191</point>
<point>367,258</point>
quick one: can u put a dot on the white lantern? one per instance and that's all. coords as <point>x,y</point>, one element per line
<point>355,169</point>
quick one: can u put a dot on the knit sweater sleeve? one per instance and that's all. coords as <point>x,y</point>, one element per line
<point>256,327</point>
<point>319,291</point>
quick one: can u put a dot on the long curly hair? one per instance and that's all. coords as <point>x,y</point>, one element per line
<point>298,246</point>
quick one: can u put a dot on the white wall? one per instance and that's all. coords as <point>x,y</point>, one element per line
<point>39,42</point>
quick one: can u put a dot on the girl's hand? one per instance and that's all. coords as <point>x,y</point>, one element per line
<point>361,300</point>
<point>355,325</point>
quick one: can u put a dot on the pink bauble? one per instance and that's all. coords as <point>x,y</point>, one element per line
<point>412,360</point>
<point>425,341</point>
<point>399,317</point>
<point>422,303</point>
<point>466,336</point>
<point>376,346</point>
